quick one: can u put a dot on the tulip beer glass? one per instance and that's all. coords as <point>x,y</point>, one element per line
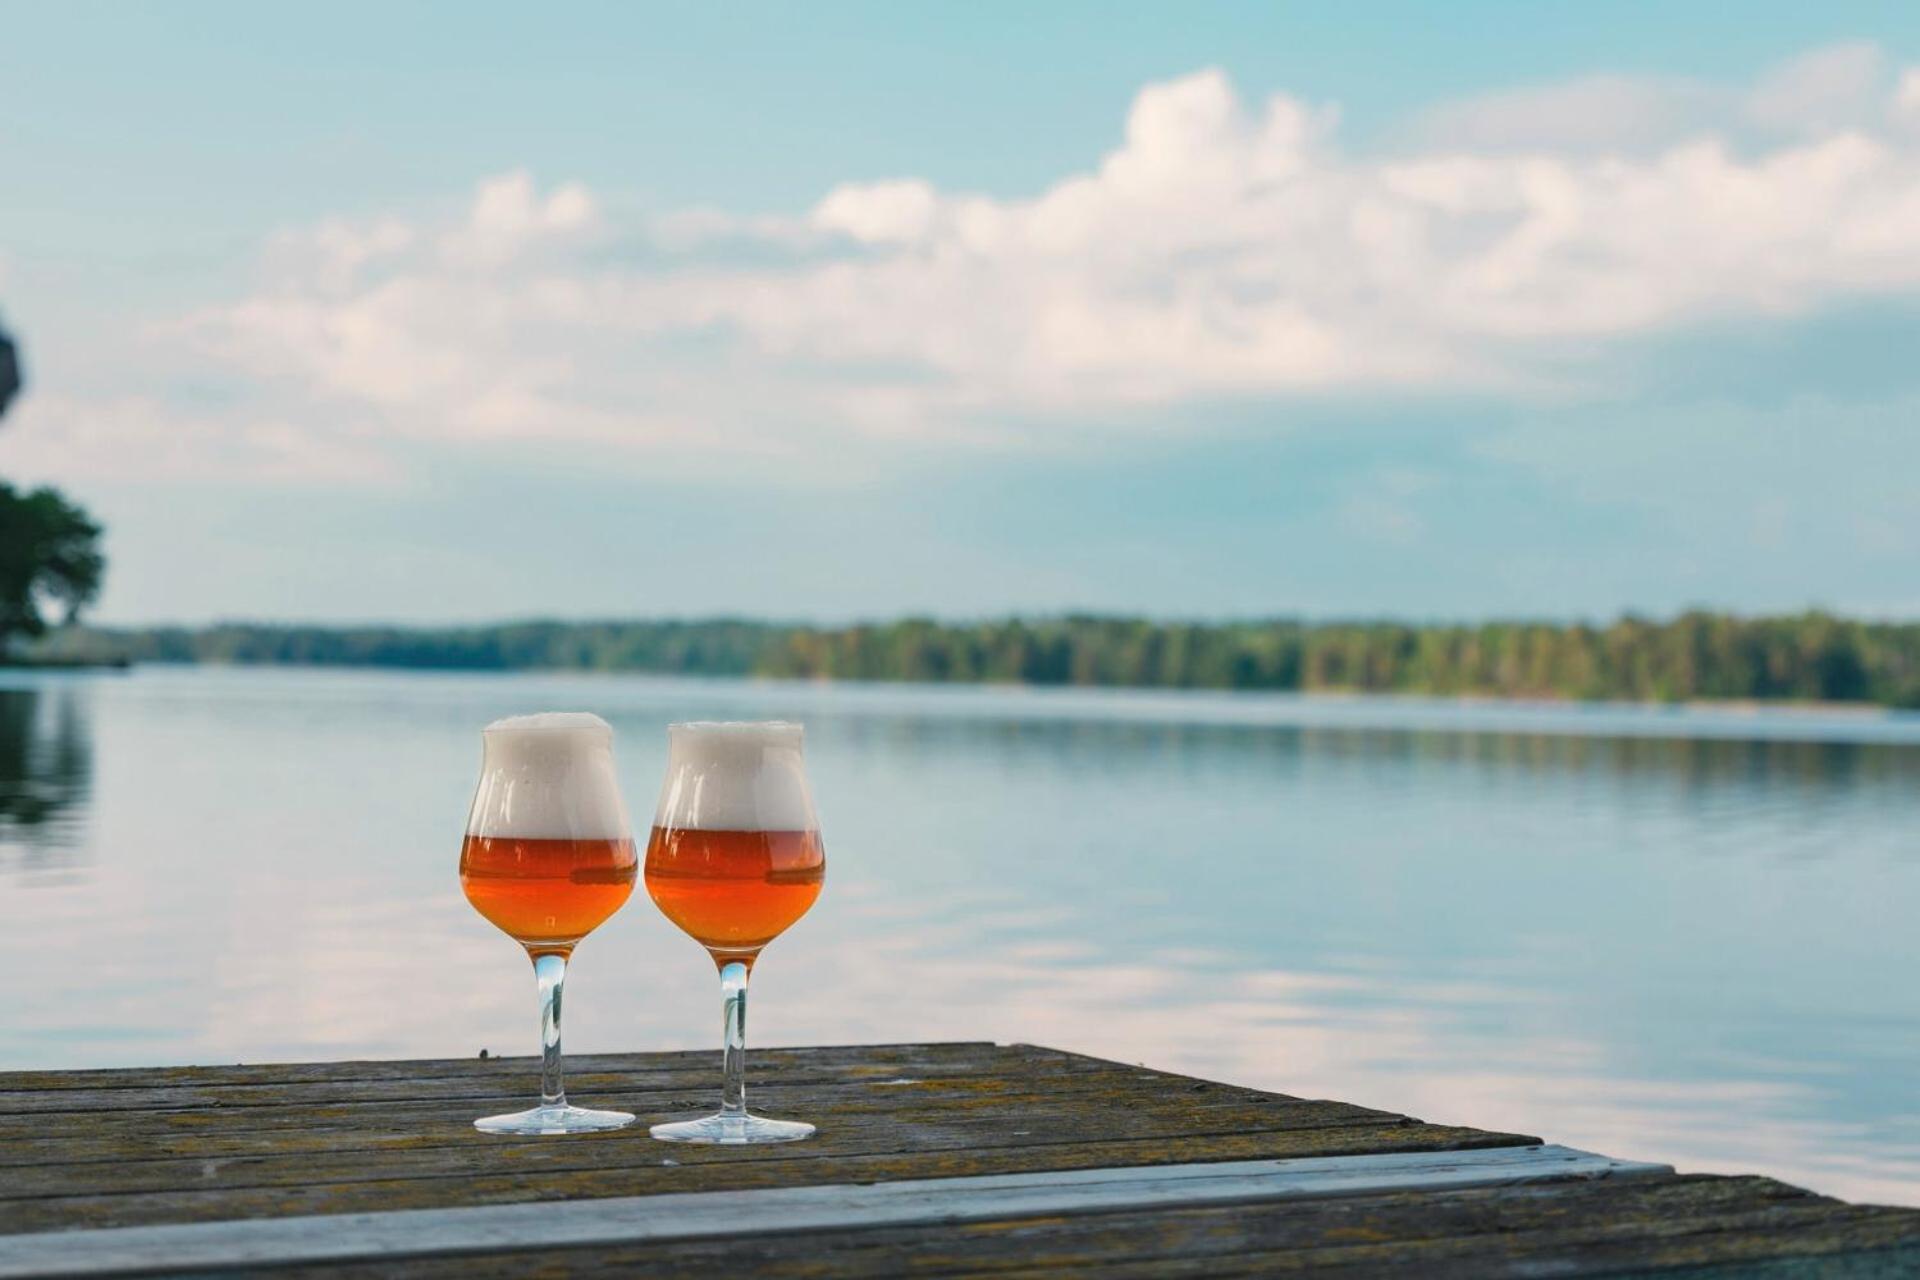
<point>735,858</point>
<point>547,858</point>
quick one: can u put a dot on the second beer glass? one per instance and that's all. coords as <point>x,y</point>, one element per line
<point>735,858</point>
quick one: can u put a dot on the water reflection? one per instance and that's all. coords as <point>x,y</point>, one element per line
<point>1686,761</point>
<point>46,777</point>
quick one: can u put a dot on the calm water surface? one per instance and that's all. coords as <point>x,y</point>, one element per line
<point>1673,935</point>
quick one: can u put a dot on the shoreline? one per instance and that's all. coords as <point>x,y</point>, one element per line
<point>1788,662</point>
<point>74,664</point>
<point>1730,708</point>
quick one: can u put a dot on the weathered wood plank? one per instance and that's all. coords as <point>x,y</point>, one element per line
<point>783,1210</point>
<point>340,1129</point>
<point>855,1060</point>
<point>258,1108</point>
<point>874,1127</point>
<point>269,1122</point>
<point>502,1078</point>
<point>1608,1228</point>
<point>489,1183</point>
<point>295,1157</point>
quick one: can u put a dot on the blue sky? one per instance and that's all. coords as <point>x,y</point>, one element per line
<point>436,312</point>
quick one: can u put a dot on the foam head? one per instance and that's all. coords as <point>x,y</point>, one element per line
<point>733,776</point>
<point>549,776</point>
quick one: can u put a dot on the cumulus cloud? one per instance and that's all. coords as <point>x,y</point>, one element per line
<point>1225,248</point>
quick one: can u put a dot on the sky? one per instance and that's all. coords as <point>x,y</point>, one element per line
<point>444,313</point>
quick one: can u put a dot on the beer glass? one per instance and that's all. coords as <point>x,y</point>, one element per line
<point>548,856</point>
<point>735,858</point>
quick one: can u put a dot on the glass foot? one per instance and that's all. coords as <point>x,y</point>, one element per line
<point>733,1131</point>
<point>563,1119</point>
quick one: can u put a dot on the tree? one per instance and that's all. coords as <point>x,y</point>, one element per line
<point>49,548</point>
<point>49,555</point>
<point>9,372</point>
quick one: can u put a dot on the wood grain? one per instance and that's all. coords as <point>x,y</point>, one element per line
<point>396,1236</point>
<point>1672,1227</point>
<point>209,1144</point>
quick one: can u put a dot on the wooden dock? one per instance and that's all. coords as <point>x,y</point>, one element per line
<point>937,1159</point>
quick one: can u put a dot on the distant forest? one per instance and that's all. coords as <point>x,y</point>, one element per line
<point>1809,657</point>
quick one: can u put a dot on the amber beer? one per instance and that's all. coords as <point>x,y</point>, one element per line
<point>734,859</point>
<point>733,892</point>
<point>547,894</point>
<point>546,858</point>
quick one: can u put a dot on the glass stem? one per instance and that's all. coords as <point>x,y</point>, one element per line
<point>733,1016</point>
<point>550,971</point>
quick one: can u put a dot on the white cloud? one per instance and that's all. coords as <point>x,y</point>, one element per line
<point>1906,99</point>
<point>1824,91</point>
<point>1224,249</point>
<point>880,212</point>
<point>143,439</point>
<point>1591,114</point>
<point>1831,89</point>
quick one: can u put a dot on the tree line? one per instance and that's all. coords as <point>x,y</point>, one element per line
<point>1697,655</point>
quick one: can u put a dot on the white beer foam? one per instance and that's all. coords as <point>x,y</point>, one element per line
<point>549,777</point>
<point>584,722</point>
<point>733,776</point>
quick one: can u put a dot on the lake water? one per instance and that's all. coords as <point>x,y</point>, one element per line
<point>1676,935</point>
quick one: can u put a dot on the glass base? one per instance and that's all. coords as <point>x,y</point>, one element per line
<point>733,1131</point>
<point>562,1119</point>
